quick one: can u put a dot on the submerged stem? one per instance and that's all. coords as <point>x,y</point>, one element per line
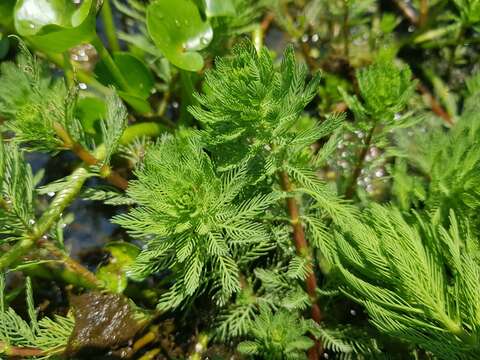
<point>48,219</point>
<point>110,64</point>
<point>302,248</point>
<point>358,167</point>
<point>109,25</point>
<point>110,175</point>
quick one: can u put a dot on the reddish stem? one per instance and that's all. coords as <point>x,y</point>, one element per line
<point>112,176</point>
<point>302,248</point>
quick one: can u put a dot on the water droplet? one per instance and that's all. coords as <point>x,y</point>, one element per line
<point>397,116</point>
<point>31,222</point>
<point>315,38</point>
<point>379,173</point>
<point>304,38</point>
<point>45,237</point>
<point>175,105</point>
<point>31,26</point>
<point>374,151</point>
<point>204,40</point>
<point>325,355</point>
<point>353,312</point>
<point>82,86</point>
<point>51,193</point>
<point>411,28</point>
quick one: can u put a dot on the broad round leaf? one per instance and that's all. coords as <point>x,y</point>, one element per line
<point>90,110</point>
<point>179,31</point>
<point>135,72</point>
<point>114,273</point>
<point>55,25</point>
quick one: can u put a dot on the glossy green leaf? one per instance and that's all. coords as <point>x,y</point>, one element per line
<point>90,110</point>
<point>114,273</point>
<point>140,105</point>
<point>55,25</point>
<point>135,72</point>
<point>178,30</point>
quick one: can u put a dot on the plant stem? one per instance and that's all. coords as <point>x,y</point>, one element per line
<point>302,248</point>
<point>435,106</point>
<point>187,96</point>
<point>358,167</point>
<point>346,30</point>
<point>110,64</point>
<point>150,129</point>
<point>74,266</point>
<point>423,13</point>
<point>21,352</point>
<point>17,251</point>
<point>81,75</point>
<point>109,174</point>
<point>109,26</point>
<point>67,69</point>
<point>408,11</point>
<point>257,38</point>
<point>49,217</point>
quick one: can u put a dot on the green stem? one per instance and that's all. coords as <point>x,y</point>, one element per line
<point>109,26</point>
<point>110,64</point>
<point>352,186</point>
<point>150,129</point>
<point>48,219</point>
<point>81,75</point>
<point>63,199</point>
<point>188,99</point>
<point>67,68</point>
<point>257,37</point>
<point>346,29</point>
<point>16,252</point>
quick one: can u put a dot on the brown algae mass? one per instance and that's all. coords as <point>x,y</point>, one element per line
<point>102,322</point>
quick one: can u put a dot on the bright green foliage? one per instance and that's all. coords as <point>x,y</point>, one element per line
<point>49,335</point>
<point>451,160</point>
<point>418,282</point>
<point>16,194</point>
<point>279,336</point>
<point>469,11</point>
<point>36,107</point>
<point>385,89</point>
<point>249,109</point>
<point>275,289</point>
<point>32,102</point>
<point>192,221</point>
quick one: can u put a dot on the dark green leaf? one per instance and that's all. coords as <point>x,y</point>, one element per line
<point>178,30</point>
<point>135,72</point>
<point>89,110</point>
<point>114,273</point>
